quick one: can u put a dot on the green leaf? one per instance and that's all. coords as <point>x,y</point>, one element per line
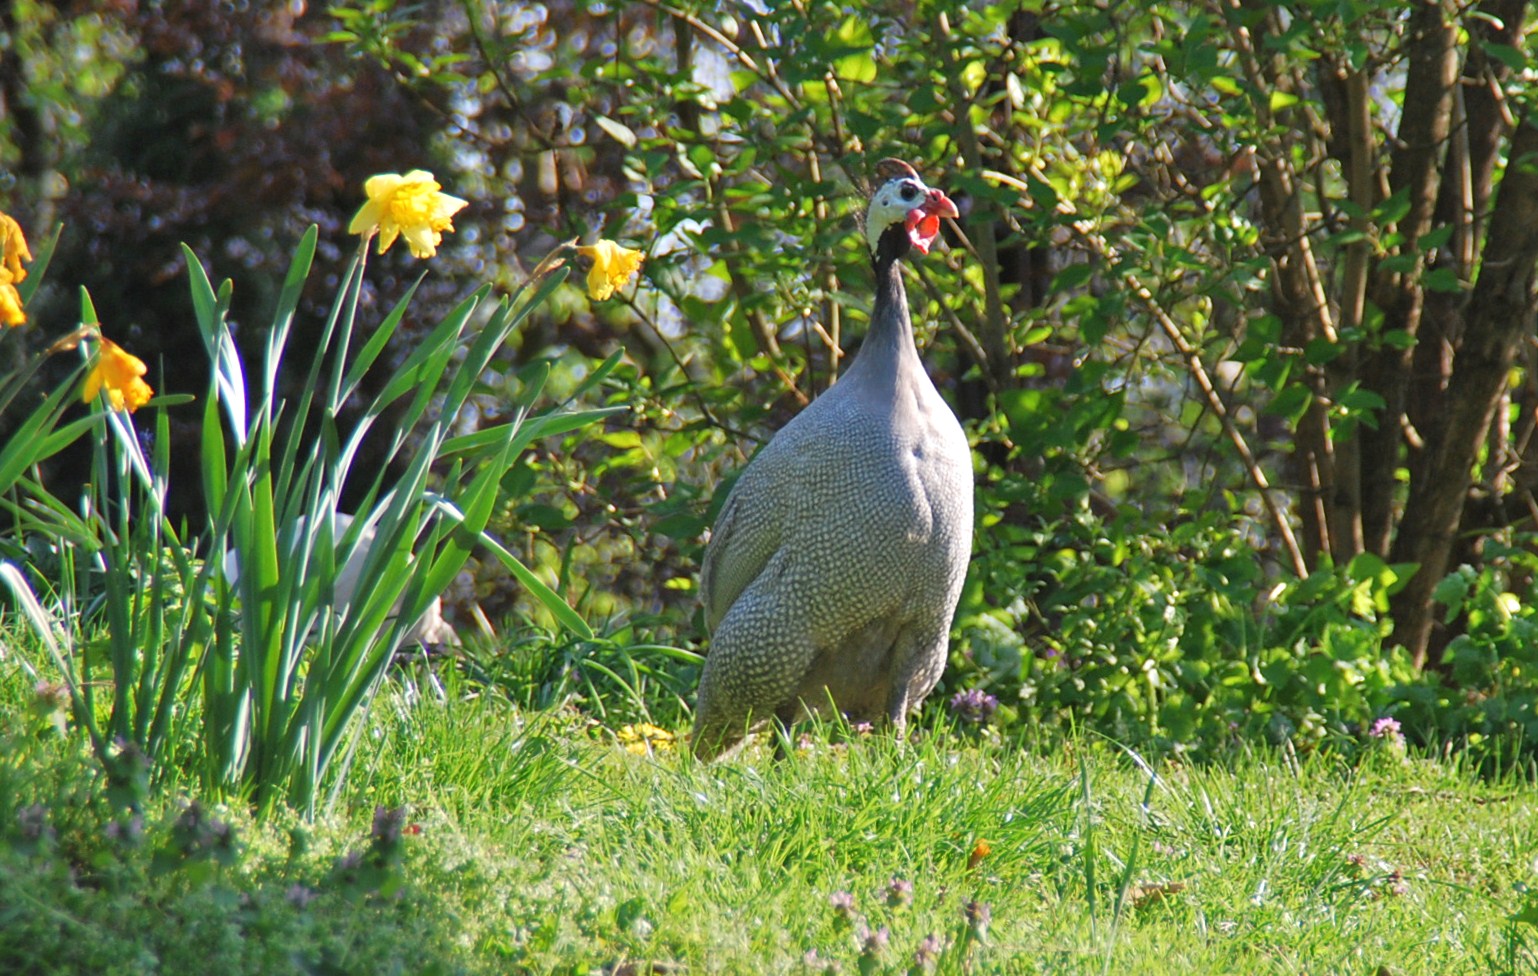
<point>215,472</point>
<point>1452,591</point>
<point>1442,279</point>
<point>1224,85</point>
<point>41,258</point>
<point>545,425</point>
<point>1434,238</point>
<point>87,309</point>
<point>1318,352</point>
<point>1394,209</point>
<point>1036,334</point>
<point>1290,402</point>
<point>1073,276</point>
<point>617,131</point>
<point>860,68</point>
<point>1368,566</point>
<point>1507,55</point>
<point>551,600</point>
<point>1357,400</point>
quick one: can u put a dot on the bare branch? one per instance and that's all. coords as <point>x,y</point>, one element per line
<point>1215,403</point>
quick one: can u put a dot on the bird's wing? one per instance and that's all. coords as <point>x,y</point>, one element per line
<point>746,534</point>
<point>767,505</point>
<point>756,518</point>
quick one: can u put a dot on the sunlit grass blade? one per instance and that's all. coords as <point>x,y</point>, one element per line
<point>547,597</point>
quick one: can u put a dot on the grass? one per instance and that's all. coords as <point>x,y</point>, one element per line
<point>534,843</point>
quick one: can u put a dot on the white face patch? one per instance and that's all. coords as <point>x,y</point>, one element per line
<point>891,205</point>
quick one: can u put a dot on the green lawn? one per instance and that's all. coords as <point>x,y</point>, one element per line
<point>536,843</point>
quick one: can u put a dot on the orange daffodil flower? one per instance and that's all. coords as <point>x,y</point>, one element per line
<point>120,374</point>
<point>10,301</point>
<point>116,371</point>
<point>14,245</point>
<point>408,206</point>
<point>613,265</point>
<point>13,251</point>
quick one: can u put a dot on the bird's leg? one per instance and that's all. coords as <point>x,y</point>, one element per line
<point>918,659</point>
<point>716,742</point>
<point>784,728</point>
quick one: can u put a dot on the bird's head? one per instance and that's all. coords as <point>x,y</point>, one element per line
<point>904,212</point>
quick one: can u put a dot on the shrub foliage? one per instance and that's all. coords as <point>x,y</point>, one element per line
<point>1237,315</point>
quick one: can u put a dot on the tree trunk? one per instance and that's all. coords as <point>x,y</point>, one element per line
<point>1500,314</point>
<point>1416,172</point>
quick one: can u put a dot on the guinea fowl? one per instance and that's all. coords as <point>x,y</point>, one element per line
<point>834,568</point>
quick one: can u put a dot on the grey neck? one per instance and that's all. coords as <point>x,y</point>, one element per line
<point>888,345</point>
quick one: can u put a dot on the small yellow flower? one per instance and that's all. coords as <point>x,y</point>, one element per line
<point>118,372</point>
<point>13,251</point>
<point>612,267</point>
<point>643,737</point>
<point>13,248</point>
<point>408,206</point>
<point>10,300</point>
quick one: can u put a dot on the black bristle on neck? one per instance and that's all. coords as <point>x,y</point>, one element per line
<point>890,327</point>
<point>892,246</point>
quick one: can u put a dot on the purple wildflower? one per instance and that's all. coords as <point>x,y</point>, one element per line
<point>33,821</point>
<point>127,831</point>
<point>872,943</point>
<point>927,952</point>
<point>899,891</point>
<point>388,823</point>
<point>1386,727</point>
<point>298,895</point>
<point>843,904</point>
<point>50,696</point>
<point>974,705</point>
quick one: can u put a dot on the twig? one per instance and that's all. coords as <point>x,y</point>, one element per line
<point>968,339</point>
<point>1198,372</point>
<point>732,48</point>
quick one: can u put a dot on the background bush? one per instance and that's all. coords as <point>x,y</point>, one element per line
<point>1202,503</point>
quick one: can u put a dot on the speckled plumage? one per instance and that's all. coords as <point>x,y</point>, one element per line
<point>834,568</point>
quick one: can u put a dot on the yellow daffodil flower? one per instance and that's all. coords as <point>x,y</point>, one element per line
<point>118,372</point>
<point>407,206</point>
<point>13,251</point>
<point>10,300</point>
<point>13,247</point>
<point>613,265</point>
<point>643,737</point>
